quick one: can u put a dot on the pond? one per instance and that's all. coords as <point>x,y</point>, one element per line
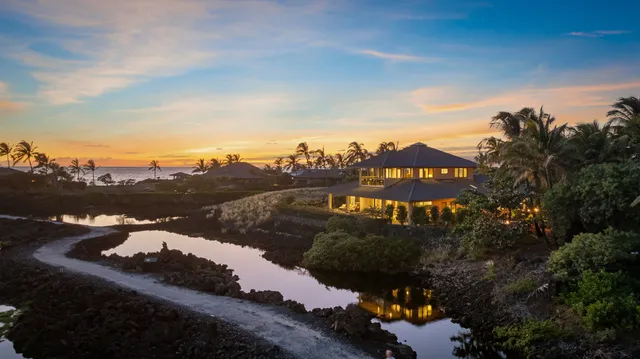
<point>101,220</point>
<point>6,347</point>
<point>404,309</point>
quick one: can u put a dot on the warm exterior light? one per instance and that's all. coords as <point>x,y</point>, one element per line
<point>536,209</point>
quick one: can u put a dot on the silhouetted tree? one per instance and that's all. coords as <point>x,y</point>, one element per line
<point>154,166</point>
<point>25,151</point>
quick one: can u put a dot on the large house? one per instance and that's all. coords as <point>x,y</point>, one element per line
<point>417,175</point>
<point>237,171</point>
<point>317,176</point>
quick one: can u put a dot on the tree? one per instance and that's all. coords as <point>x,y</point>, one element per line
<point>76,168</point>
<point>356,153</point>
<point>385,147</point>
<point>5,150</point>
<point>43,163</point>
<point>303,150</point>
<point>447,216</point>
<point>419,216</point>
<point>340,160</point>
<point>106,179</point>
<point>435,214</point>
<point>154,166</point>
<point>278,164</point>
<point>232,158</point>
<point>24,152</point>
<point>201,166</point>
<point>215,163</point>
<point>625,109</point>
<point>320,160</point>
<point>594,144</point>
<point>292,164</point>
<point>401,214</point>
<point>388,212</point>
<point>90,166</point>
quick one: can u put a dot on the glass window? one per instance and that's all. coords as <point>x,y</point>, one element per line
<point>426,173</point>
<point>407,172</point>
<point>444,171</point>
<point>461,172</point>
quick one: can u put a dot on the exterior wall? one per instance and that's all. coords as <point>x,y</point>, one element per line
<point>451,174</point>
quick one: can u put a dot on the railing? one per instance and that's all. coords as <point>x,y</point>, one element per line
<point>372,181</point>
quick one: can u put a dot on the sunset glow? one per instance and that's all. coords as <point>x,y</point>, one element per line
<point>128,81</point>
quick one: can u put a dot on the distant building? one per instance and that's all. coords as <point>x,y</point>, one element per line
<point>179,175</point>
<point>417,175</point>
<point>317,176</point>
<point>238,171</point>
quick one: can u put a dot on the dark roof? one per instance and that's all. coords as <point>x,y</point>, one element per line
<point>5,171</point>
<point>417,155</point>
<point>319,174</point>
<point>411,190</point>
<point>239,170</point>
<point>179,174</point>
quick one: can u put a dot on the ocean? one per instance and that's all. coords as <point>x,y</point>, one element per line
<point>125,173</point>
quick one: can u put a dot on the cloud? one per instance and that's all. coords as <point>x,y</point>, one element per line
<point>395,57</point>
<point>6,104</point>
<point>599,33</point>
<point>94,145</point>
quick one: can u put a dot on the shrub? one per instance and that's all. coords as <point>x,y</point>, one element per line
<point>435,214</point>
<point>522,286</point>
<point>487,231</point>
<point>447,215</point>
<point>531,337</point>
<point>341,251</point>
<point>401,214</point>
<point>344,224</point>
<point>419,216</point>
<point>594,251</point>
<point>201,183</point>
<point>388,212</point>
<point>166,186</point>
<point>461,214</point>
<point>605,300</point>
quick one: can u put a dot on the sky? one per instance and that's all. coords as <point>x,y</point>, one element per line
<point>128,81</point>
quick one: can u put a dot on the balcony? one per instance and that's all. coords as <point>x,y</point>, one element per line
<point>372,181</point>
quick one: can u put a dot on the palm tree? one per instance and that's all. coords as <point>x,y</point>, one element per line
<point>201,166</point>
<point>491,147</point>
<point>356,153</point>
<point>44,162</point>
<point>24,152</point>
<point>232,158</point>
<point>386,146</point>
<point>278,164</point>
<point>215,163</point>
<point>291,163</point>
<point>5,150</point>
<point>320,160</point>
<point>303,150</point>
<point>625,109</point>
<point>340,160</point>
<point>154,166</point>
<point>76,168</point>
<point>595,144</point>
<point>90,166</point>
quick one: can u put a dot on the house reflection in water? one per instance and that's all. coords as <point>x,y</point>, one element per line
<point>411,304</point>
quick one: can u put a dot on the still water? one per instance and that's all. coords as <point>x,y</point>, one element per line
<point>405,310</point>
<point>100,220</point>
<point>6,347</point>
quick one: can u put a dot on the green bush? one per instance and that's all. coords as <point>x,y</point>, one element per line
<point>487,231</point>
<point>447,216</point>
<point>401,214</point>
<point>166,186</point>
<point>594,251</point>
<point>419,216</point>
<point>522,286</point>
<point>388,213</point>
<point>201,183</point>
<point>532,338</point>
<point>341,251</point>
<point>344,224</point>
<point>435,214</point>
<point>605,300</point>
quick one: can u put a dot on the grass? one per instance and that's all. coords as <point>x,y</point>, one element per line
<point>521,286</point>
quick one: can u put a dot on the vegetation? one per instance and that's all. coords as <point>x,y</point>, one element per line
<point>25,152</point>
<point>388,212</point>
<point>201,166</point>
<point>154,166</point>
<point>521,286</point>
<point>106,179</point>
<point>435,214</point>
<point>401,214</point>
<point>532,338</point>
<point>419,216</point>
<point>342,251</point>
<point>90,166</point>
<point>6,150</point>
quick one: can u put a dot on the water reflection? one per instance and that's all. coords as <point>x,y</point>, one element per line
<point>399,303</point>
<point>6,347</point>
<point>101,220</point>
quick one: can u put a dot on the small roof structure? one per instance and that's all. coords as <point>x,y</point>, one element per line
<point>5,171</point>
<point>411,190</point>
<point>417,155</point>
<point>180,175</point>
<point>237,170</point>
<point>318,173</point>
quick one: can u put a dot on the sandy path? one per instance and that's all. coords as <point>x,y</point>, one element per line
<point>296,337</point>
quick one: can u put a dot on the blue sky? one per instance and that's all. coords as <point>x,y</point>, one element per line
<point>124,82</point>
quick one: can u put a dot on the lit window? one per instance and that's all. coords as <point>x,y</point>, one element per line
<point>407,172</point>
<point>461,172</point>
<point>426,173</point>
<point>444,171</point>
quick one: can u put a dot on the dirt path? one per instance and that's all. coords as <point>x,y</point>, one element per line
<point>296,337</point>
